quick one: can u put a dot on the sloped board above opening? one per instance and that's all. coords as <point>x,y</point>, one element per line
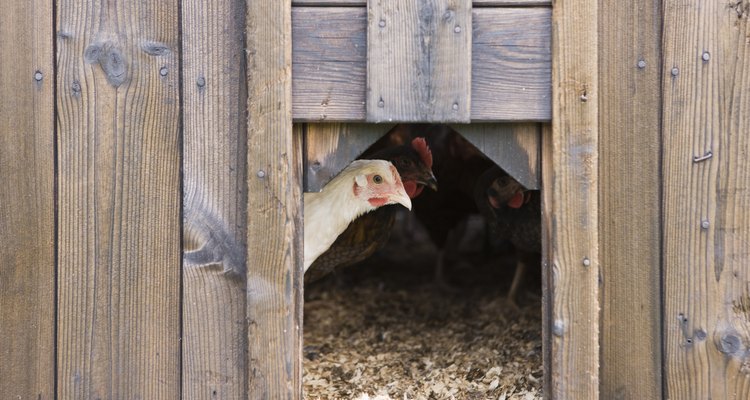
<point>513,147</point>
<point>418,53</point>
<point>476,3</point>
<point>329,147</point>
<point>510,66</point>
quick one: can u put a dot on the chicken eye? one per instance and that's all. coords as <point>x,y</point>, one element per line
<point>377,179</point>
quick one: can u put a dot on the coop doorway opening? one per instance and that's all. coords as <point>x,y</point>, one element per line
<point>441,302</point>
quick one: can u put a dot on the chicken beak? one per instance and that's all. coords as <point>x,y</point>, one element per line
<point>431,182</point>
<point>402,198</point>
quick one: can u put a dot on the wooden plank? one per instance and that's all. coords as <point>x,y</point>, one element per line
<point>329,148</point>
<point>630,205</point>
<point>706,191</point>
<point>330,65</point>
<point>513,147</point>
<point>476,3</point>
<point>119,200</point>
<point>215,201</point>
<point>274,273</point>
<point>511,65</point>
<point>418,54</point>
<point>548,282</point>
<point>572,212</point>
<point>27,273</point>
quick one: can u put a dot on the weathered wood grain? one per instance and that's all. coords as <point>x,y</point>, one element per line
<point>476,3</point>
<point>329,148</point>
<point>27,252</point>
<point>572,212</point>
<point>706,191</point>
<point>548,282</point>
<point>511,65</point>
<point>514,147</point>
<point>329,64</point>
<point>274,272</point>
<point>215,201</point>
<point>510,61</point>
<point>629,202</point>
<point>119,200</point>
<point>418,56</point>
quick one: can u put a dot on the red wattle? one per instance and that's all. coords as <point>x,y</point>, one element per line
<point>516,201</point>
<point>411,189</point>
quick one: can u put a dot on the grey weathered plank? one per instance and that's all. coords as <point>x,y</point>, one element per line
<point>514,147</point>
<point>630,207</point>
<point>119,200</point>
<point>329,148</point>
<point>27,269</point>
<point>215,201</point>
<point>274,272</point>
<point>706,233</point>
<point>571,215</point>
<point>418,56</point>
<point>511,65</point>
<point>476,3</point>
<point>330,66</point>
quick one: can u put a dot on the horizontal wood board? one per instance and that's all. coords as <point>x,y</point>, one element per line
<point>511,64</point>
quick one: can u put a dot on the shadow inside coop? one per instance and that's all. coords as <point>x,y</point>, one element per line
<point>427,316</point>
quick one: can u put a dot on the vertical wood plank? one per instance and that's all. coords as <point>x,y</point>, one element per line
<point>215,200</point>
<point>418,56</point>
<point>274,272</point>
<point>27,269</point>
<point>119,200</point>
<point>329,148</point>
<point>629,190</point>
<point>572,210</point>
<point>513,147</point>
<point>706,199</point>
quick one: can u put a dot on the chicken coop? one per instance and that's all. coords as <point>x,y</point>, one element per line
<point>153,157</point>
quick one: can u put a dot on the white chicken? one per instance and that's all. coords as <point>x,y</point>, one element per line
<point>363,186</point>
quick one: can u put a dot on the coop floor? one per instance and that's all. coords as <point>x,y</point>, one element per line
<point>385,330</point>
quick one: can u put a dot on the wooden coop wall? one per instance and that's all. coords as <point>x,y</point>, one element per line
<point>142,157</point>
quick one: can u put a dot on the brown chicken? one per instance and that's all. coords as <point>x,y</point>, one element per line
<point>370,232</point>
<point>514,214</point>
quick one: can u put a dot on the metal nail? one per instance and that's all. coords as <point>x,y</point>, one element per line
<point>704,157</point>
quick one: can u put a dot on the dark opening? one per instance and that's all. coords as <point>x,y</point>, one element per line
<point>427,316</point>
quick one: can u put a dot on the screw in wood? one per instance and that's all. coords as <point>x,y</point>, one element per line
<point>75,87</point>
<point>586,262</point>
<point>201,81</point>
<point>675,71</point>
<point>381,103</point>
<point>457,29</point>
<point>381,23</point>
<point>705,224</point>
<point>163,71</point>
<point>455,106</point>
<point>641,64</point>
<point>706,56</point>
<point>261,174</point>
<point>38,76</point>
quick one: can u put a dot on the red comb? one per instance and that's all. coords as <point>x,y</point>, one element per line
<point>420,145</point>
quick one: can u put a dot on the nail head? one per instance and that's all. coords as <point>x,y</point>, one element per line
<point>457,29</point>
<point>163,71</point>
<point>381,104</point>
<point>641,64</point>
<point>675,71</point>
<point>455,106</point>
<point>201,81</point>
<point>381,23</point>
<point>586,262</point>
<point>705,224</point>
<point>38,76</point>
<point>261,174</point>
<point>706,56</point>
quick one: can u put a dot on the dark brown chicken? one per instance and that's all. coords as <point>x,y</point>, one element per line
<point>371,231</point>
<point>514,214</point>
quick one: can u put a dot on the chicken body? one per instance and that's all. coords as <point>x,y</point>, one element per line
<point>363,186</point>
<point>513,214</point>
<point>370,232</point>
